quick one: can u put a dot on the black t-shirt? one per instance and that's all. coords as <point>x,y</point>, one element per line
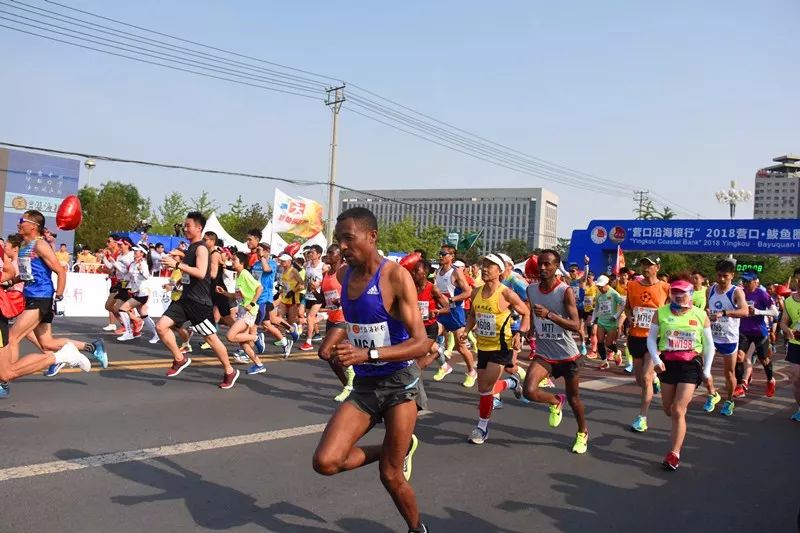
<point>196,290</point>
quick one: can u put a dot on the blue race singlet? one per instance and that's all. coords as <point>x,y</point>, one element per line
<point>37,275</point>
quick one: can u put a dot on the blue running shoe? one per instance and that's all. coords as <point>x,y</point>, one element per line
<point>260,348</point>
<point>53,370</point>
<point>629,368</point>
<point>256,369</point>
<point>795,417</point>
<point>497,403</point>
<point>727,408</point>
<point>711,402</point>
<point>640,424</point>
<point>294,334</point>
<point>5,391</point>
<point>583,349</point>
<point>99,352</point>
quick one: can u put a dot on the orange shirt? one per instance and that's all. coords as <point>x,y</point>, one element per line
<point>644,300</point>
<point>332,291</point>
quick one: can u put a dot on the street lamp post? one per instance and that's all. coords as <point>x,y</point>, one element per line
<point>732,197</point>
<point>89,164</point>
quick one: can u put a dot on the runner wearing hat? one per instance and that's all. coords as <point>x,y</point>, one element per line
<point>681,350</point>
<point>645,296</point>
<point>291,292</point>
<point>138,272</point>
<point>608,319</point>
<point>754,334</point>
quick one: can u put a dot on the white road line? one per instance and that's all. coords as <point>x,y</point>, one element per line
<point>55,467</point>
<point>607,383</point>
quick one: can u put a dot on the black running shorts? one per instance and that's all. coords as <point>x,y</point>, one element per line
<point>374,395</point>
<point>200,316</point>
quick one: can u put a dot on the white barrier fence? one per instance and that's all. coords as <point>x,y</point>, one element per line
<point>85,295</point>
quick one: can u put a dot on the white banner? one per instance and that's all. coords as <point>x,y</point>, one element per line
<point>85,295</point>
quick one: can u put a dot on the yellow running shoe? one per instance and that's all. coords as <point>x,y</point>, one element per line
<point>581,443</point>
<point>469,379</point>
<point>407,462</point>
<point>557,411</point>
<point>205,346</point>
<point>443,371</point>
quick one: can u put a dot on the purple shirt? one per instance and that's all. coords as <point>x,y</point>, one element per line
<point>756,326</point>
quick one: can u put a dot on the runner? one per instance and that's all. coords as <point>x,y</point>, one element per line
<point>386,335</point>
<point>790,326</point>
<point>224,307</point>
<point>332,292</point>
<point>555,318</point>
<point>450,281</point>
<point>681,333</point>
<point>252,241</point>
<point>37,263</point>
<point>700,295</point>
<point>291,292</point>
<point>589,299</point>
<point>431,303</point>
<point>176,289</point>
<point>645,296</point>
<point>609,317</point>
<point>195,305</point>
<point>726,307</point>
<point>264,270</point>
<point>120,267</point>
<point>138,297</point>
<point>754,335</point>
<point>244,330</point>
<point>315,269</point>
<point>491,317</point>
<point>110,254</point>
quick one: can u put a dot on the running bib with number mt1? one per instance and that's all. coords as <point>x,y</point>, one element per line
<point>643,317</point>
<point>485,325</point>
<point>548,330</point>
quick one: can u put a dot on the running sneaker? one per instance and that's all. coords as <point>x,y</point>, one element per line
<point>295,332</point>
<point>178,366</point>
<point>287,348</point>
<point>99,352</point>
<point>53,370</point>
<point>443,371</point>
<point>618,358</point>
<point>155,340</point>
<point>256,369</point>
<point>497,403</point>
<point>771,388</point>
<point>656,385</point>
<point>557,411</point>
<point>205,346</point>
<point>469,379</point>
<point>5,391</point>
<point>240,356</point>
<point>547,383</point>
<point>408,461</point>
<point>739,392</point>
<point>581,443</point>
<point>629,368</point>
<point>228,380</point>
<point>592,355</point>
<point>126,337</point>
<point>316,338</point>
<point>605,365</point>
<point>110,327</point>
<point>120,330</point>
<point>519,379</point>
<point>727,408</point>
<point>583,349</point>
<point>671,461</point>
<point>342,396</point>
<point>277,343</point>
<point>186,347</point>
<point>137,328</point>
<point>747,382</point>
<point>306,347</point>
<point>711,402</point>
<point>70,355</point>
<point>260,348</point>
<point>795,417</point>
<point>478,436</point>
<point>639,424</point>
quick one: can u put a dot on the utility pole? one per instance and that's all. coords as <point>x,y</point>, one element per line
<point>641,198</point>
<point>334,100</point>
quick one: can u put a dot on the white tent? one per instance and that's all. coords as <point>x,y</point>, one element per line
<point>212,224</point>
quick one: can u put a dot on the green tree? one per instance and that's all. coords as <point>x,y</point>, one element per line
<point>204,204</point>
<point>255,216</point>
<point>114,206</point>
<point>665,214</point>
<point>171,211</point>
<point>235,212</point>
<point>405,236</point>
<point>517,249</point>
<point>562,247</point>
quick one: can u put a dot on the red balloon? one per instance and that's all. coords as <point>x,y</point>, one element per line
<point>532,267</point>
<point>783,290</point>
<point>69,214</point>
<point>292,248</point>
<point>410,261</point>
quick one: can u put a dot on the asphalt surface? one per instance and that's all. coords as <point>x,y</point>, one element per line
<point>71,459</point>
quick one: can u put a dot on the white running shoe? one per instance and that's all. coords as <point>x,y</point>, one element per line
<point>126,337</point>
<point>70,355</point>
<point>154,340</point>
<point>110,327</point>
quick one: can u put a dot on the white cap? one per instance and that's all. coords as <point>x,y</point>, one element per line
<point>284,257</point>
<point>459,264</point>
<point>505,259</point>
<point>495,259</point>
<point>602,281</point>
<point>380,253</point>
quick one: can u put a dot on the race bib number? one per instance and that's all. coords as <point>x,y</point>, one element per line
<point>368,336</point>
<point>643,317</point>
<point>720,326</point>
<point>588,301</point>
<point>186,279</point>
<point>425,309</point>
<point>680,341</point>
<point>25,272</point>
<point>485,325</point>
<point>332,299</point>
<point>548,330</point>
<point>605,307</point>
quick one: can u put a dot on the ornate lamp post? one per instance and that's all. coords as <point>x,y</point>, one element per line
<point>732,197</point>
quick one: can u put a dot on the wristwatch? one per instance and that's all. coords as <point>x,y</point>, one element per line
<point>373,355</point>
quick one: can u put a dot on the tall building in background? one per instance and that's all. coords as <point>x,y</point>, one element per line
<point>777,192</point>
<point>529,214</point>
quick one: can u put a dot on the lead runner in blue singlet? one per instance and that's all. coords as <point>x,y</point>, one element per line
<point>383,338</point>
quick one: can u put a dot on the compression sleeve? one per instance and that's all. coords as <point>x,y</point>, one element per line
<point>652,344</point>
<point>708,351</point>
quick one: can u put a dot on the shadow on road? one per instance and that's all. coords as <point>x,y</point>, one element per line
<point>11,414</point>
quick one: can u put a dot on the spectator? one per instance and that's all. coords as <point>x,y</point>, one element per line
<point>143,240</point>
<point>63,255</point>
<point>86,256</point>
<point>156,254</point>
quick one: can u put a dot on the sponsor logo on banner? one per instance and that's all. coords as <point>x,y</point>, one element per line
<point>599,235</point>
<point>618,234</point>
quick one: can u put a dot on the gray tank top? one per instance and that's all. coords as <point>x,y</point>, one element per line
<point>553,343</point>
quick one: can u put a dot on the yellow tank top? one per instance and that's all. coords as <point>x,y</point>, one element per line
<point>492,326</point>
<point>289,282</point>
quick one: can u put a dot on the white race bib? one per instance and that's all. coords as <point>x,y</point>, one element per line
<point>485,325</point>
<point>588,301</point>
<point>680,341</point>
<point>424,308</point>
<point>604,307</point>
<point>186,279</point>
<point>25,272</point>
<point>643,317</point>
<point>332,299</point>
<point>548,330</point>
<point>719,326</point>
<point>369,336</point>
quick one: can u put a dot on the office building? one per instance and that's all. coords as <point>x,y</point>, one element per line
<point>777,190</point>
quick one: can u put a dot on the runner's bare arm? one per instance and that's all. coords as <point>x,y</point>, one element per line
<point>46,254</point>
<point>462,284</point>
<point>470,315</point>
<point>444,305</point>
<point>8,272</point>
<point>516,303</point>
<point>333,337</point>
<point>740,302</point>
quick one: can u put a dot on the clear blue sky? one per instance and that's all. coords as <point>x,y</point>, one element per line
<point>678,97</point>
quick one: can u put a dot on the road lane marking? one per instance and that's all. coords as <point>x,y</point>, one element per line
<point>143,364</point>
<point>55,467</point>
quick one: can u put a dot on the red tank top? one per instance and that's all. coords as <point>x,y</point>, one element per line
<point>332,290</point>
<point>427,304</point>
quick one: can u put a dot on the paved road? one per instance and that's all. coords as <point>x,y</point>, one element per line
<point>126,450</point>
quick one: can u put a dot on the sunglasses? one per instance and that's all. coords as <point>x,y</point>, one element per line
<point>442,254</point>
<point>21,220</point>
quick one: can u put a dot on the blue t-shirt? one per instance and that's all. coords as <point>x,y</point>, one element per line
<point>267,280</point>
<point>518,285</point>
